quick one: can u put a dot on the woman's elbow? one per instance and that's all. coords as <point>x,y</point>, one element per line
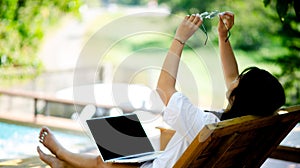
<point>165,94</point>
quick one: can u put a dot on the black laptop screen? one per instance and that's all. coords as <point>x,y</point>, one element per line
<point>119,136</point>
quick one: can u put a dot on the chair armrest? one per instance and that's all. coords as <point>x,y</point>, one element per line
<point>286,153</point>
<point>165,136</point>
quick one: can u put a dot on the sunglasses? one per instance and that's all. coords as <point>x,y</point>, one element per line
<point>211,15</point>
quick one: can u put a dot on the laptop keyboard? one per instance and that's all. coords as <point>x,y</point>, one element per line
<point>139,158</point>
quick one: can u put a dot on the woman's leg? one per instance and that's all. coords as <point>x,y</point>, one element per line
<point>51,160</point>
<point>68,158</point>
<point>75,159</point>
<point>49,141</point>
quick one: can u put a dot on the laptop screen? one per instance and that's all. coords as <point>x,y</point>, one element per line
<point>119,136</point>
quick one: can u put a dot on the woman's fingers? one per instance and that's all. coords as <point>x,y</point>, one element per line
<point>187,17</point>
<point>188,27</point>
<point>199,21</point>
<point>194,18</point>
<point>227,19</point>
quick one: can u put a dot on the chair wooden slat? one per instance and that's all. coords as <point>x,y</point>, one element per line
<point>287,153</point>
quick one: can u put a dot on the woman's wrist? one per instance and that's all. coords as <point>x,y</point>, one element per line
<point>179,41</point>
<point>223,35</point>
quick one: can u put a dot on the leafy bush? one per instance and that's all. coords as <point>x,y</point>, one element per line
<point>22,26</point>
<point>289,63</point>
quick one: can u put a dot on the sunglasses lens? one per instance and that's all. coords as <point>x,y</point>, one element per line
<point>204,14</point>
<point>213,14</point>
<point>207,15</point>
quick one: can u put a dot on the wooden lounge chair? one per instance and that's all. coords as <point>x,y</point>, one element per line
<point>241,142</point>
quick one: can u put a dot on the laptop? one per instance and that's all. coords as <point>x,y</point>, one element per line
<point>122,139</point>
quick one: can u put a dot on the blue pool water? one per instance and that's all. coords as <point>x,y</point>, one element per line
<point>18,141</point>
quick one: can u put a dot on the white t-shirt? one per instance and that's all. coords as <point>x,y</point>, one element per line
<point>187,119</point>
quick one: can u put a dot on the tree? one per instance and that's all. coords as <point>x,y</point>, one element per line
<point>22,26</point>
<point>289,15</point>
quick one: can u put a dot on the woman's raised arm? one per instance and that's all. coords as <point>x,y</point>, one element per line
<point>229,64</point>
<point>167,78</point>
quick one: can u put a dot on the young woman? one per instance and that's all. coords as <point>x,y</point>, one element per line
<point>254,91</point>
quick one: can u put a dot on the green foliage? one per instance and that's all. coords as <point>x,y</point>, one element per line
<point>252,24</point>
<point>284,6</point>
<point>252,27</point>
<point>22,27</point>
<point>288,14</point>
<point>188,6</point>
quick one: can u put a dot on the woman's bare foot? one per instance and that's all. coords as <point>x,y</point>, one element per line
<point>49,141</point>
<point>51,160</point>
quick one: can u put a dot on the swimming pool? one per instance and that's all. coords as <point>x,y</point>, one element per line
<point>20,141</point>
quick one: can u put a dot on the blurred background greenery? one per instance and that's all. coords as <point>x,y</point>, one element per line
<point>23,24</point>
<point>265,31</point>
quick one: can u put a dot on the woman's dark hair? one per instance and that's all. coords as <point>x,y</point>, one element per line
<point>258,93</point>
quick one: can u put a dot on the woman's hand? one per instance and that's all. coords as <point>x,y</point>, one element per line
<point>225,23</point>
<point>188,27</point>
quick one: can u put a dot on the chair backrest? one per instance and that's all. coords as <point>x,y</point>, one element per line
<point>241,142</point>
